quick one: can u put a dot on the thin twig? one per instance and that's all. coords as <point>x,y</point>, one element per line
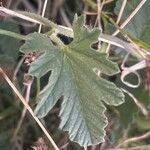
<point>128,70</point>
<point>28,108</point>
<point>134,139</point>
<point>127,20</point>
<point>98,20</point>
<point>28,87</point>
<point>139,104</point>
<point>17,68</point>
<point>99,9</point>
<point>43,13</point>
<point>136,47</point>
<point>131,16</point>
<point>121,11</point>
<point>132,69</point>
<point>39,31</point>
<point>142,147</point>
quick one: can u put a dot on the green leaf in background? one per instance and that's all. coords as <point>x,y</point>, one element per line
<point>139,26</point>
<point>72,76</point>
<point>9,50</point>
<point>4,136</point>
<point>129,109</point>
<point>9,46</point>
<point>146,32</point>
<point>143,122</point>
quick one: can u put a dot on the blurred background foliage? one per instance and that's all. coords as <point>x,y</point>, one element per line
<point>125,121</point>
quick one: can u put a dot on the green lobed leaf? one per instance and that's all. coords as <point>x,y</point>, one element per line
<point>72,76</point>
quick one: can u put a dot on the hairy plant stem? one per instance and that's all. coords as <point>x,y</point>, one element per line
<point>56,28</point>
<point>13,34</point>
<point>55,39</point>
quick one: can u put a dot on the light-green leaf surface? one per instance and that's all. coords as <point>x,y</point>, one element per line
<point>72,76</point>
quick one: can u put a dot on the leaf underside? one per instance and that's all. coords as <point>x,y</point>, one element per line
<point>72,76</point>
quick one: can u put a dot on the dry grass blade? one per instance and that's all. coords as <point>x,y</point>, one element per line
<point>28,108</point>
<point>43,12</point>
<point>121,11</point>
<point>134,139</point>
<point>139,104</point>
<point>131,16</point>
